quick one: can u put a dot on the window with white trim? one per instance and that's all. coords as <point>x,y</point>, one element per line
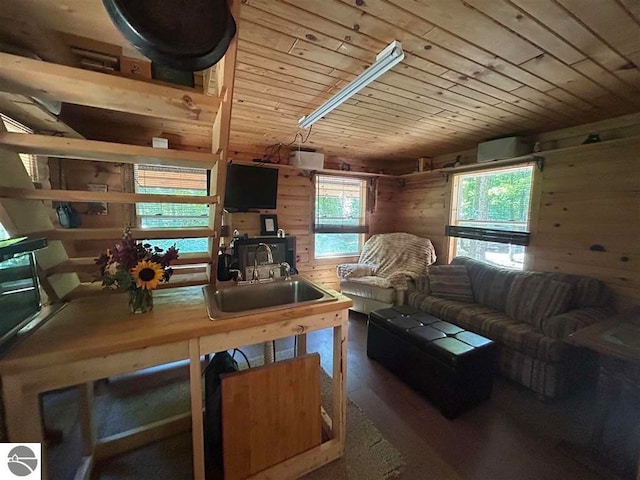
<point>490,215</point>
<point>29,161</point>
<point>340,216</point>
<point>172,181</point>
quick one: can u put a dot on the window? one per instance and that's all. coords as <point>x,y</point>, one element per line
<point>3,233</point>
<point>340,216</point>
<point>172,181</point>
<point>490,215</point>
<point>29,161</point>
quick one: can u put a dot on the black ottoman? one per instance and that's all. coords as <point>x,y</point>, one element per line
<point>451,366</point>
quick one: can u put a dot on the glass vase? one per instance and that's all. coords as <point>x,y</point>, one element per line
<point>140,300</point>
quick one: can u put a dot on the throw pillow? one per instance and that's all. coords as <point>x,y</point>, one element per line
<point>533,298</point>
<point>450,282</point>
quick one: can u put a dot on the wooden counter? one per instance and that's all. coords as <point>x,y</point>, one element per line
<point>97,337</point>
<point>617,342</point>
<point>617,337</point>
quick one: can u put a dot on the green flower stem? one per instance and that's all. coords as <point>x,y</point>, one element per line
<point>140,300</point>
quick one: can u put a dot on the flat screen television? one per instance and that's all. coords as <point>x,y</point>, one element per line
<point>250,188</point>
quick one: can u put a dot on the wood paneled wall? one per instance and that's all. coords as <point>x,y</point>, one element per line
<point>588,222</point>
<point>295,212</point>
<point>421,209</point>
<point>76,175</point>
<point>586,219</point>
<point>599,188</point>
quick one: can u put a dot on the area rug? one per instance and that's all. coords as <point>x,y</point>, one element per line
<point>119,407</point>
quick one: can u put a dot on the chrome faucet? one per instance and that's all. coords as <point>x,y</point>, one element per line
<point>287,270</point>
<point>238,274</point>
<point>255,277</point>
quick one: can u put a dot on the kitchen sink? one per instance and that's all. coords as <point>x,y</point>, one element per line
<point>236,300</point>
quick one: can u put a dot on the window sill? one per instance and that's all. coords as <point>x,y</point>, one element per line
<point>337,259</point>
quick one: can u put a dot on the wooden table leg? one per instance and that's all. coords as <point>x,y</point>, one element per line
<point>85,415</point>
<point>22,412</point>
<point>340,381</point>
<point>197,427</point>
<point>301,345</point>
<point>87,430</point>
<point>22,416</point>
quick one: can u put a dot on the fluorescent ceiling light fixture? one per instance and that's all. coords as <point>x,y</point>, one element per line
<point>385,61</point>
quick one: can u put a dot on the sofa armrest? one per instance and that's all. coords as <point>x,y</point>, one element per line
<point>402,295</point>
<point>346,270</point>
<point>422,284</point>
<point>561,326</point>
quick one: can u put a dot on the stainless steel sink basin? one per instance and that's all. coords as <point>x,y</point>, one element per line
<point>237,300</point>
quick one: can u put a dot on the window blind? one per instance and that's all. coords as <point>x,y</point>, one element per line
<point>340,205</point>
<point>170,181</point>
<point>29,161</point>
<point>487,234</point>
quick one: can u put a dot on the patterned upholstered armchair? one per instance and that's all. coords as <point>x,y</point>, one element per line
<point>386,270</point>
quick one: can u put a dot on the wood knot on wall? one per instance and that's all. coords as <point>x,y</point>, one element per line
<point>187,101</point>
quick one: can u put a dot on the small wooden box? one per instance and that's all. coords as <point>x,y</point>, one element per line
<point>135,68</point>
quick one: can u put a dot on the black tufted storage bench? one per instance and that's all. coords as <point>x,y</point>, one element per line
<point>451,366</point>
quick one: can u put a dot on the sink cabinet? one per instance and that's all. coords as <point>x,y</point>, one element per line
<point>92,339</point>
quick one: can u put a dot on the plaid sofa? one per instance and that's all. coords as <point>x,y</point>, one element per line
<point>532,352</point>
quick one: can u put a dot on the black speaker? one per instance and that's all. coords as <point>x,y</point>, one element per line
<point>282,250</point>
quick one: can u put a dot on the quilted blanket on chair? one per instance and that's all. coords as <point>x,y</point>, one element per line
<point>393,258</point>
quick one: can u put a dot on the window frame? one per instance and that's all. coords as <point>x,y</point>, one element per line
<point>139,218</point>
<point>508,238</point>
<point>361,230</point>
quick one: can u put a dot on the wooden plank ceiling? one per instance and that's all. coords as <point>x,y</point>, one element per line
<point>473,70</point>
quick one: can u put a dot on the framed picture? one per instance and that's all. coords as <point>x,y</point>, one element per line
<point>268,224</point>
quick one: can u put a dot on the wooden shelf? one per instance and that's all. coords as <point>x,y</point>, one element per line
<point>88,264</point>
<point>331,171</point>
<point>420,174</point>
<point>31,77</point>
<point>474,167</point>
<point>103,151</point>
<point>109,197</point>
<point>350,173</point>
<point>527,158</point>
<point>70,234</point>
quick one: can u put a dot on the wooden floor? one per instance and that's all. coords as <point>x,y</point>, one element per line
<point>513,436</point>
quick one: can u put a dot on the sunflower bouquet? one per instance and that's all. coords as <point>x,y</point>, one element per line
<point>137,268</point>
